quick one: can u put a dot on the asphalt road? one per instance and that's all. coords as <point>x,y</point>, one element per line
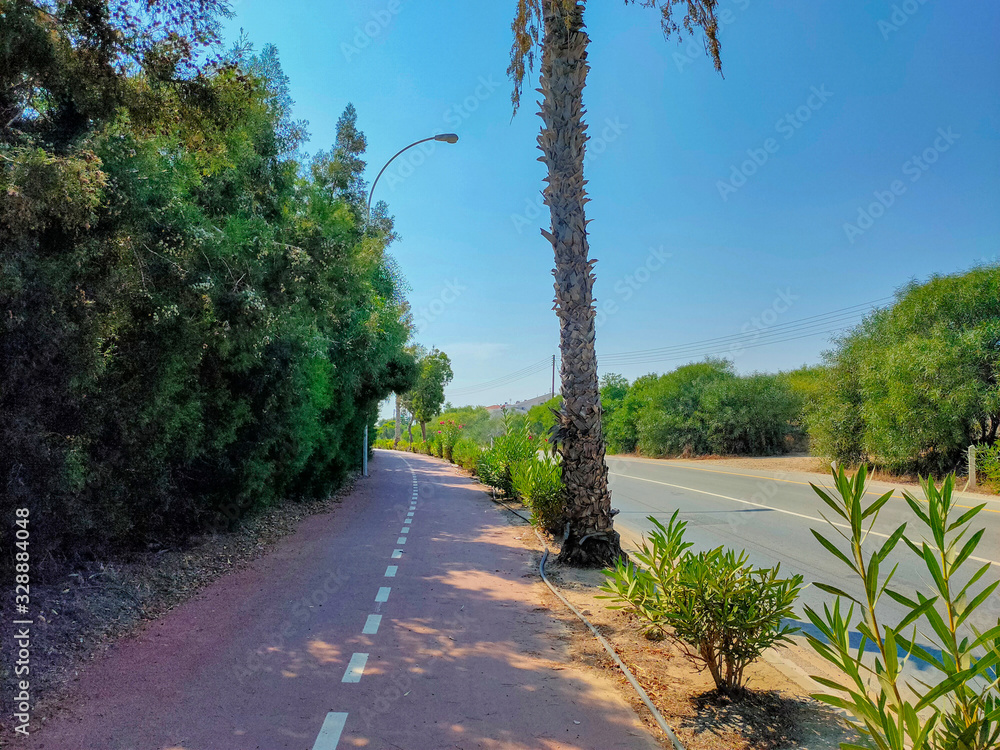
<point>406,618</point>
<point>769,514</point>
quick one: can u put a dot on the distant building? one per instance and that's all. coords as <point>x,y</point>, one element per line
<point>521,407</point>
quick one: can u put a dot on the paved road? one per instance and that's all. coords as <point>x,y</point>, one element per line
<point>769,514</point>
<point>405,619</point>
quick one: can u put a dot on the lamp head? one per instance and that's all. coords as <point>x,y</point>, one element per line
<point>447,138</point>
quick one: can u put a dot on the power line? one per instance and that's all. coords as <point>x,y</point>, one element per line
<point>504,379</point>
<point>734,345</point>
<point>812,320</point>
<point>793,330</point>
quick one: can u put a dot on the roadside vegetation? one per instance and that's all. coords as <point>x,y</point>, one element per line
<point>198,319</point>
<point>724,612</point>
<point>907,391</point>
<point>956,703</point>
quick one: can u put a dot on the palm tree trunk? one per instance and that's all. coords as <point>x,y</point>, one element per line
<point>591,540</point>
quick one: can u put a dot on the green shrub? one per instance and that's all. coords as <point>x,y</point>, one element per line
<point>539,484</point>
<point>957,704</point>
<point>466,454</point>
<point>514,445</point>
<point>988,464</point>
<point>750,415</point>
<point>490,468</point>
<point>912,386</point>
<point>720,610</point>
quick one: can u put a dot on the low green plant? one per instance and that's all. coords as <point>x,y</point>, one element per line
<point>988,463</point>
<point>723,612</point>
<point>489,468</point>
<point>958,706</point>
<point>516,444</point>
<point>466,454</point>
<point>538,481</point>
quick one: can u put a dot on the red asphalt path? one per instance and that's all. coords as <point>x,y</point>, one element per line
<point>346,636</point>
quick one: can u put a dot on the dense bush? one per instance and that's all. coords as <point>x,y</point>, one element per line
<point>911,387</point>
<point>538,482</point>
<point>701,409</point>
<point>195,324</point>
<point>750,415</point>
<point>514,445</point>
<point>466,454</point>
<point>988,464</point>
<point>722,611</point>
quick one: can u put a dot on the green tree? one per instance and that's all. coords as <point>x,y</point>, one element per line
<point>556,29</point>
<point>914,385</point>
<point>541,418</point>
<point>427,396</point>
<point>194,326</point>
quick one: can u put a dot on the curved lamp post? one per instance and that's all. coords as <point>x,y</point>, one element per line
<point>444,138</point>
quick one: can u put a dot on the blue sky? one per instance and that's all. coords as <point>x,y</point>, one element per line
<point>719,206</point>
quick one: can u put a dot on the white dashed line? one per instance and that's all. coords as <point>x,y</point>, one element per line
<point>329,733</point>
<point>410,514</point>
<point>355,668</point>
<point>383,594</point>
<point>371,624</point>
<point>401,540</point>
<point>396,554</point>
<point>405,530</point>
<point>407,520</point>
<point>390,571</point>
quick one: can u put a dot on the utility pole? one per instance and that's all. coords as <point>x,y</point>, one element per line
<point>553,376</point>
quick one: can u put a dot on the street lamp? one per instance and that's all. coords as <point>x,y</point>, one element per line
<point>444,138</point>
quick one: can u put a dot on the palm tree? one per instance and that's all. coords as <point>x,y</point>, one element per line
<point>557,28</point>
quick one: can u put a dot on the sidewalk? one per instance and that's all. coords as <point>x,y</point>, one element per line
<point>402,620</point>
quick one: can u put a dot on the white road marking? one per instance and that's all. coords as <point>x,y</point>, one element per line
<point>390,571</point>
<point>371,624</point>
<point>405,530</point>
<point>355,668</point>
<point>396,554</point>
<point>329,733</point>
<point>410,514</point>
<point>401,540</point>
<point>407,520</point>
<point>383,594</point>
<point>776,510</point>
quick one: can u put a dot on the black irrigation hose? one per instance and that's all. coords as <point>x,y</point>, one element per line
<point>603,641</point>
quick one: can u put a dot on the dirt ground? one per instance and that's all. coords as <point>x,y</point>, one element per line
<point>777,714</point>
